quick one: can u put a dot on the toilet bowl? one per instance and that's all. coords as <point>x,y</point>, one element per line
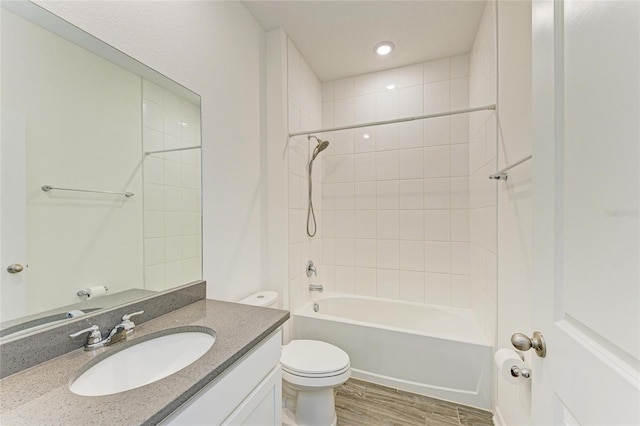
<point>311,370</point>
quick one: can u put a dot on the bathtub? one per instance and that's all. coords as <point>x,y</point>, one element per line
<point>431,350</point>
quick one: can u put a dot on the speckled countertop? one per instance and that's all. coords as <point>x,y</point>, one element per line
<point>41,396</point>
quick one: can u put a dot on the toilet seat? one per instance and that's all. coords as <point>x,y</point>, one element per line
<point>313,363</point>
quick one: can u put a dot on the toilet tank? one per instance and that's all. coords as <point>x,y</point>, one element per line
<point>266,299</point>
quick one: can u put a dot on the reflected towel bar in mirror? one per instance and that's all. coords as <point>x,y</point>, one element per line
<point>503,175</point>
<point>171,150</point>
<point>47,188</point>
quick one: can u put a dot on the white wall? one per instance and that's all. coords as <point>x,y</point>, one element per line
<point>395,197</point>
<point>482,163</point>
<point>217,50</point>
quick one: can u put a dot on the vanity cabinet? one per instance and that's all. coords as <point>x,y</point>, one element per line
<point>248,393</point>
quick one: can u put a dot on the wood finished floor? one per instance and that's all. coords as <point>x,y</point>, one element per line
<point>362,403</point>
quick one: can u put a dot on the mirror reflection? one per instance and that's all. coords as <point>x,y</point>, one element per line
<point>101,187</point>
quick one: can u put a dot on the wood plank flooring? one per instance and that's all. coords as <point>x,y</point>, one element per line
<point>361,403</point>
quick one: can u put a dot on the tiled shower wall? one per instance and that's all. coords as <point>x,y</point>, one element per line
<point>304,104</point>
<point>482,163</point>
<point>172,212</point>
<point>395,198</point>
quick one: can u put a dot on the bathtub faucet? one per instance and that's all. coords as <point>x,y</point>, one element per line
<point>316,287</point>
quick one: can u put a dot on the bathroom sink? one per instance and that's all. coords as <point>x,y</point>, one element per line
<point>142,363</point>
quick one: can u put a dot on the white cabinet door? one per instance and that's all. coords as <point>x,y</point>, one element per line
<point>586,233</point>
<point>263,407</point>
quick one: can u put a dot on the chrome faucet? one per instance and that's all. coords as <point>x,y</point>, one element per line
<point>117,333</point>
<point>316,287</point>
<point>311,269</point>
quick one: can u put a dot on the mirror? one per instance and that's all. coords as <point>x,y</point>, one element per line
<point>101,175</point>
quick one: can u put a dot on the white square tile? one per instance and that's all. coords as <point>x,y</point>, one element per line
<point>437,225</point>
<point>153,197</point>
<point>438,289</point>
<point>153,251</point>
<point>411,193</point>
<point>460,128</point>
<point>173,273</point>
<point>153,224</point>
<point>365,108</point>
<point>436,131</point>
<point>154,170</point>
<point>388,284</point>
<point>295,201</point>
<point>341,142</point>
<point>191,201</point>
<point>343,88</point>
<point>153,115</point>
<point>345,252</point>
<point>460,160</point>
<point>344,168</point>
<point>295,230</point>
<point>344,224</point>
<point>437,256</point>
<point>460,225</point>
<point>154,277</point>
<point>152,92</point>
<point>327,114</point>
<point>437,193</point>
<point>436,161</point>
<point>411,75</point>
<point>191,223</point>
<point>191,269</point>
<point>153,140</point>
<point>460,93</point>
<point>460,192</point>
<point>387,137</point>
<point>294,260</point>
<point>388,254</point>
<point>387,105</point>
<point>411,134</point>
<point>410,101</point>
<point>172,173</point>
<point>328,196</point>
<point>460,258</point>
<point>460,290</point>
<point>344,112</point>
<point>365,167</point>
<point>460,65</point>
<point>365,139</point>
<point>172,249</point>
<point>436,97</point>
<point>366,281</point>
<point>327,91</point>
<point>387,165</point>
<point>345,277</point>
<point>328,252</point>
<point>365,193</point>
<point>386,79</point>
<point>492,275</point>
<point>437,70</point>
<point>344,196</point>
<point>365,84</point>
<point>412,286</point>
<point>388,195</point>
<point>172,223</point>
<point>172,122</point>
<point>410,163</point>
<point>412,255</point>
<point>411,225</point>
<point>366,223</point>
<point>328,223</point>
<point>191,246</point>
<point>388,224</point>
<point>366,253</point>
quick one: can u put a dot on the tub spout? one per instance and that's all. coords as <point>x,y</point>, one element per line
<point>316,287</point>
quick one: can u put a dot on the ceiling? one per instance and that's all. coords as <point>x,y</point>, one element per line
<point>337,37</point>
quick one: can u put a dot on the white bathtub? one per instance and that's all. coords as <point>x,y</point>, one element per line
<point>431,350</point>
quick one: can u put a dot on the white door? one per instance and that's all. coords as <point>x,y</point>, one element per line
<point>586,291</point>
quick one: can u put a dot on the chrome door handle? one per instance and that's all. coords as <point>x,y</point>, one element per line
<point>15,268</point>
<point>522,342</point>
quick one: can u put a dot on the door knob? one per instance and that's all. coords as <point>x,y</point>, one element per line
<point>14,268</point>
<point>522,342</point>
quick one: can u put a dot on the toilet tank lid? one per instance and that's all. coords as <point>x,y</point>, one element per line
<point>261,298</point>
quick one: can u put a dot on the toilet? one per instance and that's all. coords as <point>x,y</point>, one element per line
<point>311,370</point>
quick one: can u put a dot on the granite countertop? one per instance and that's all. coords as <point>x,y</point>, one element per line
<point>40,395</point>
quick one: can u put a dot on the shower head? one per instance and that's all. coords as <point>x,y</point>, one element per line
<point>322,145</point>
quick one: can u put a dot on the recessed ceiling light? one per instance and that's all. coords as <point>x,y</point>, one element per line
<point>391,86</point>
<point>384,48</point>
<point>366,136</point>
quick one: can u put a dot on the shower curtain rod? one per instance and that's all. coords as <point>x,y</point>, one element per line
<point>171,150</point>
<point>398,120</point>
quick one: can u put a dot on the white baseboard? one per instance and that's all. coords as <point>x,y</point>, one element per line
<point>497,418</point>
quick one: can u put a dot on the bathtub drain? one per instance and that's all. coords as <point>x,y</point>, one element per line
<point>316,307</point>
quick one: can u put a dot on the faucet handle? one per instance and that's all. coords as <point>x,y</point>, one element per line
<point>127,317</point>
<point>95,335</point>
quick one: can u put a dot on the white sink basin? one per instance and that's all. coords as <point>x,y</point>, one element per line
<point>143,363</point>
